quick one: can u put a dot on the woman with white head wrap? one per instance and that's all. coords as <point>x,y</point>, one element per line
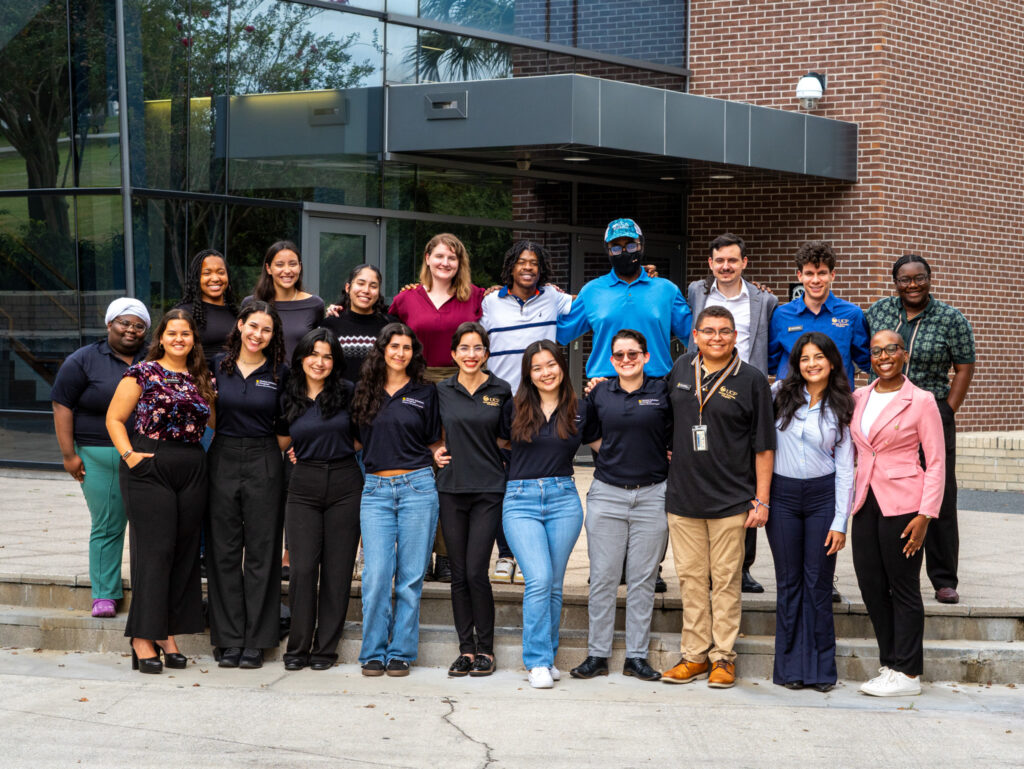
<point>81,392</point>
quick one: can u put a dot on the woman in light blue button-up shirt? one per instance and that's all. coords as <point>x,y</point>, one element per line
<point>812,489</point>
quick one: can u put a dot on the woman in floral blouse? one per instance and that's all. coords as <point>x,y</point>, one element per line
<point>163,482</point>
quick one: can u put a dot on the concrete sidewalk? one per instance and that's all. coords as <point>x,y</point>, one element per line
<point>44,536</point>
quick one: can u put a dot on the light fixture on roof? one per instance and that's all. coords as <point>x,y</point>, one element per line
<point>667,178</point>
<point>721,177</point>
<point>810,89</point>
<point>575,159</point>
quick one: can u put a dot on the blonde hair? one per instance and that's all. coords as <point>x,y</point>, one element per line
<point>463,281</point>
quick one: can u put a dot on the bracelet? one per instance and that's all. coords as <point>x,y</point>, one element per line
<point>762,504</point>
<point>125,454</point>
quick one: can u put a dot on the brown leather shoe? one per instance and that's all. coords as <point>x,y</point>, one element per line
<point>685,672</point>
<point>947,595</point>
<point>723,675</point>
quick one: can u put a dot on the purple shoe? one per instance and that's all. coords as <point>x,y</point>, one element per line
<point>103,607</point>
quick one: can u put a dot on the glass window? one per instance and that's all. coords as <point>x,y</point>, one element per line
<point>250,231</point>
<point>160,237</point>
<point>28,439</point>
<point>100,258</point>
<point>208,69</point>
<point>447,191</point>
<point>306,103</point>
<point>441,57</point>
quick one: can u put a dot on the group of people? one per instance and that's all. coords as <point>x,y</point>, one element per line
<point>332,427</point>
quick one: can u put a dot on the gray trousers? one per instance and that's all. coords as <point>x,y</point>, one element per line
<point>631,526</point>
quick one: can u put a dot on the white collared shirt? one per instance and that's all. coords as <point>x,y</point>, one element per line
<point>739,306</point>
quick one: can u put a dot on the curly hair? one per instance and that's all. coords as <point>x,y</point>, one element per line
<point>193,294</point>
<point>513,254</point>
<point>373,375</point>
<point>196,360</point>
<point>274,351</point>
<point>837,397</point>
<point>816,252</point>
<point>264,289</point>
<point>337,392</point>
<point>529,416</point>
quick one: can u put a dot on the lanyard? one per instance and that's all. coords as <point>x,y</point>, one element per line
<point>698,380</point>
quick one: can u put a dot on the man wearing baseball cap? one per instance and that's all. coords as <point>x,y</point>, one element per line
<point>627,297</point>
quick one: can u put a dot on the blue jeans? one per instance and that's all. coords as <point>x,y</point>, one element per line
<point>542,519</point>
<point>398,517</point>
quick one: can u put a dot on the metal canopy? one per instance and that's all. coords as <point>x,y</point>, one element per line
<point>548,118</point>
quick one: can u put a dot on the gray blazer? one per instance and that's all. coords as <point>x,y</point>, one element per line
<point>762,305</point>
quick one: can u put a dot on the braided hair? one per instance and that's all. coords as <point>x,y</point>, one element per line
<point>194,294</point>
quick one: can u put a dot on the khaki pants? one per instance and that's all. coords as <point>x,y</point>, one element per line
<point>704,548</point>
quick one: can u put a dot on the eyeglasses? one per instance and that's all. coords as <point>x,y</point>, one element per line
<point>465,349</point>
<point>125,325</point>
<point>918,280</point>
<point>725,333</point>
<point>626,354</point>
<point>630,248</point>
<point>889,349</point>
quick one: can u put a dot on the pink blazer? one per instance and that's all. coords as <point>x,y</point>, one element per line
<point>887,458</point>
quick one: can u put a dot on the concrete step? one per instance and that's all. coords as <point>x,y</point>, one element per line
<point>942,622</point>
<point>856,658</point>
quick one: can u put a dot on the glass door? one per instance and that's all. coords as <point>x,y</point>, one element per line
<point>331,248</point>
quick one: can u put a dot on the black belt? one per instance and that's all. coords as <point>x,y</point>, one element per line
<point>634,486</point>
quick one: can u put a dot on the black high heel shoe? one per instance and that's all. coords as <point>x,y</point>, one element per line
<point>146,664</point>
<point>172,660</point>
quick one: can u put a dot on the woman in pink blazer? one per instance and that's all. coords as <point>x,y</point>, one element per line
<point>895,498</point>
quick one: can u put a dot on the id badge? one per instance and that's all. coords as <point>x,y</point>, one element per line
<point>700,437</point>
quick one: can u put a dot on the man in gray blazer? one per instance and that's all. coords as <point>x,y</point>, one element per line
<point>752,309</point>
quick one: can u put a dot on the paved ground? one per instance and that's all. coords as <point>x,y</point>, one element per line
<point>44,532</point>
<point>91,710</point>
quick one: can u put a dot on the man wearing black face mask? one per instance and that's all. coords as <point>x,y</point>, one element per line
<point>627,298</point>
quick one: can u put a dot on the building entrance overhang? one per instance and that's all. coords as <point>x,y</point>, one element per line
<point>589,126</point>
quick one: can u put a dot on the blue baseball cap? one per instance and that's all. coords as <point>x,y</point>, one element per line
<point>622,228</point>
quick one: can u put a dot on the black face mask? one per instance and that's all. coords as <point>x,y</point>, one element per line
<point>626,263</point>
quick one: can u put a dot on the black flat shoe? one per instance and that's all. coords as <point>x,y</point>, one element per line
<point>638,667</point>
<point>461,666</point>
<point>794,685</point>
<point>837,597</point>
<point>294,663</point>
<point>442,569</point>
<point>251,659</point>
<point>749,584</point>
<point>173,660</point>
<point>590,668</point>
<point>146,664</point>
<point>373,668</point>
<point>823,688</point>
<point>286,573</point>
<point>482,666</point>
<point>230,657</point>
<point>397,668</point>
<point>321,665</point>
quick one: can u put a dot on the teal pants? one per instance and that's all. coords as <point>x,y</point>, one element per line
<point>106,540</point>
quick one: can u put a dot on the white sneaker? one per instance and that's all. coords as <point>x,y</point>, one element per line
<point>893,684</point>
<point>556,674</point>
<point>503,570</point>
<point>883,673</point>
<point>540,678</point>
<point>517,577</point>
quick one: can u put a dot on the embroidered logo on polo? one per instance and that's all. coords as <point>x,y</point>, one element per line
<point>841,322</point>
<point>268,384</point>
<point>491,400</point>
<point>649,402</point>
<point>728,394</point>
<point>415,402</point>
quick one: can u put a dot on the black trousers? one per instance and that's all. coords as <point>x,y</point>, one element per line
<point>243,541</point>
<point>164,500</point>
<point>805,634</point>
<point>890,585</point>
<point>322,521</point>
<point>470,522</point>
<point>942,545</point>
<point>750,553</point>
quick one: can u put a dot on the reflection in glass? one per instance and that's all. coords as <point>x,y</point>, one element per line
<point>339,253</point>
<point>440,57</point>
<point>100,258</point>
<point>250,230</point>
<point>447,191</point>
<point>28,438</point>
<point>491,15</point>
<point>161,252</point>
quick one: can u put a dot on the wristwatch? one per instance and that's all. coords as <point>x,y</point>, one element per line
<point>125,454</point>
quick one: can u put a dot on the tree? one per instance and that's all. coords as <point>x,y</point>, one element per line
<point>442,56</point>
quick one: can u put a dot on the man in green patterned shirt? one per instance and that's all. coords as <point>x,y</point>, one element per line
<point>937,337</point>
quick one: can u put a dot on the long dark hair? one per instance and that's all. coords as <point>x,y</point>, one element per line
<point>265,285</point>
<point>337,392</point>
<point>380,307</point>
<point>543,260</point>
<point>837,396</point>
<point>193,294</point>
<point>274,351</point>
<point>529,416</point>
<point>370,390</point>
<point>196,360</point>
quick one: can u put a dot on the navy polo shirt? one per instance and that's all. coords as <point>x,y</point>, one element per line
<point>546,455</point>
<point>470,433</point>
<point>247,407</point>
<point>399,437</point>
<point>317,439</point>
<point>85,384</point>
<point>635,430</point>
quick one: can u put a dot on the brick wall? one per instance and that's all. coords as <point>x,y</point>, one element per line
<point>936,90</point>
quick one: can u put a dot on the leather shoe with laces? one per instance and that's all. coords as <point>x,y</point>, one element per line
<point>591,667</point>
<point>947,595</point>
<point>684,672</point>
<point>251,659</point>
<point>230,657</point>
<point>639,668</point>
<point>723,675</point>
